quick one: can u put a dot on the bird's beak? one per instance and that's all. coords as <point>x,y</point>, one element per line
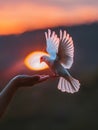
<point>40,60</point>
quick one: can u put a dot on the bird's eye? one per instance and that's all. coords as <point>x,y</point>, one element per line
<point>41,58</point>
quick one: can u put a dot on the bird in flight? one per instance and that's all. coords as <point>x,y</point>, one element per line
<point>60,59</point>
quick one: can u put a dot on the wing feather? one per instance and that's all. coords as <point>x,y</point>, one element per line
<point>52,42</point>
<point>62,47</point>
<point>66,50</point>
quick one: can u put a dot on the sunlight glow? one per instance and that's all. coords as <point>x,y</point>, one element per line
<point>32,61</point>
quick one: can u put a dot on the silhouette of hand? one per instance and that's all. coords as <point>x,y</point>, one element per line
<point>27,80</point>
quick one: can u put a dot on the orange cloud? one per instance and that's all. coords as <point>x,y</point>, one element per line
<point>19,18</point>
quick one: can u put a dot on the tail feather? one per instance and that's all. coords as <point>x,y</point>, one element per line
<point>67,88</point>
<point>59,85</point>
<point>62,86</point>
<point>70,87</point>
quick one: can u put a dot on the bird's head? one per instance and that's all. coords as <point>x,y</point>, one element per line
<point>45,59</point>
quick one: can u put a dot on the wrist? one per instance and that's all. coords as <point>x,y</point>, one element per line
<point>15,82</point>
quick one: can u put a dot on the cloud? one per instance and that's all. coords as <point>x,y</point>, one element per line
<point>19,16</point>
<point>54,3</point>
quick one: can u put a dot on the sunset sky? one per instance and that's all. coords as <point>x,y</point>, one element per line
<point>22,15</point>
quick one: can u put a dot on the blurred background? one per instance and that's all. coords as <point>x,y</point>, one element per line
<point>22,27</point>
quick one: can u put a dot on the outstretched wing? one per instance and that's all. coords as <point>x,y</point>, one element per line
<point>52,42</point>
<point>66,50</point>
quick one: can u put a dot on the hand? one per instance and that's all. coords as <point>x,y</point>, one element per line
<point>18,81</point>
<point>27,80</point>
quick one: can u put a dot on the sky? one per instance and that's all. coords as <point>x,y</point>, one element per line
<point>23,15</point>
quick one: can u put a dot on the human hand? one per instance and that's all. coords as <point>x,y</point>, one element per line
<point>27,80</point>
<point>16,82</point>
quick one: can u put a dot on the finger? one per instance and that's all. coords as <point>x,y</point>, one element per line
<point>42,75</point>
<point>43,78</point>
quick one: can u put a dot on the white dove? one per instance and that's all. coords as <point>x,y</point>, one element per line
<point>61,53</point>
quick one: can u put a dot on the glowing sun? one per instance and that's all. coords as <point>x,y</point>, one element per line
<point>32,61</point>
